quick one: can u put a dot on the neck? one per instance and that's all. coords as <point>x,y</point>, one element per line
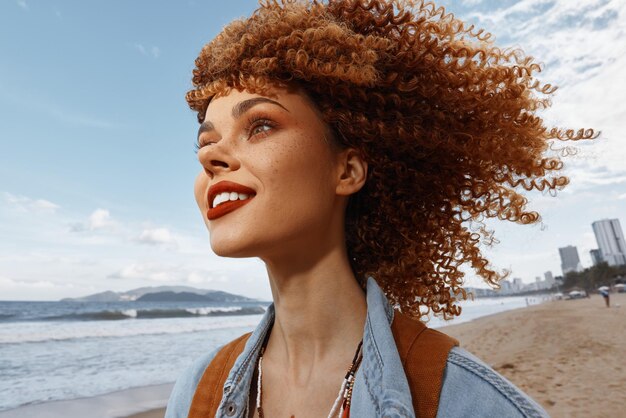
<point>320,312</point>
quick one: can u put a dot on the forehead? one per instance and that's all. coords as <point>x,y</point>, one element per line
<point>227,99</point>
<point>288,97</point>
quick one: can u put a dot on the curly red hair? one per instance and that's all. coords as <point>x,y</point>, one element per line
<point>446,121</point>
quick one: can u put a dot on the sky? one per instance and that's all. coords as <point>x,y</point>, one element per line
<point>97,157</point>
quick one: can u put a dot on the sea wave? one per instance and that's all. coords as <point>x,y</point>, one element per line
<point>113,315</point>
<point>44,331</point>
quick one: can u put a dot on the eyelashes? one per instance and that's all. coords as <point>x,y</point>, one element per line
<point>255,123</point>
<point>257,126</point>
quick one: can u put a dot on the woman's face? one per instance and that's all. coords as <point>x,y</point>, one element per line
<point>268,184</point>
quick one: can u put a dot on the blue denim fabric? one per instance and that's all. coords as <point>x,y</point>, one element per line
<point>470,387</point>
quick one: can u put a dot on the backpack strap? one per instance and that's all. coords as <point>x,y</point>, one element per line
<point>423,352</point>
<point>424,355</point>
<point>208,393</point>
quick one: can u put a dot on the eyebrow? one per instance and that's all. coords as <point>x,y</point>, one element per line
<point>238,110</point>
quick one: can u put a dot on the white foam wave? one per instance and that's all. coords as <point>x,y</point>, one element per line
<point>209,310</point>
<point>132,313</point>
<point>23,332</point>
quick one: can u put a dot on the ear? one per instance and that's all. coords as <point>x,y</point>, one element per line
<point>352,172</point>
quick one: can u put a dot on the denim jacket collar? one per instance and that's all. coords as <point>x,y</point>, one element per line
<point>381,388</point>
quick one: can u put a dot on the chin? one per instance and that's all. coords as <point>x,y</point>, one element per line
<point>232,248</point>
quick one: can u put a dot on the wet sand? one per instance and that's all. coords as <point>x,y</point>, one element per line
<point>155,413</point>
<point>115,404</point>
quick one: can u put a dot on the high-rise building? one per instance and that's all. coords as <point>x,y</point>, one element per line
<point>569,259</point>
<point>506,287</point>
<point>549,279</point>
<point>538,284</point>
<point>596,256</point>
<point>518,284</point>
<point>610,240</point>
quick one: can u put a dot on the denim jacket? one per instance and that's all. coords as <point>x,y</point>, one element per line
<point>470,388</point>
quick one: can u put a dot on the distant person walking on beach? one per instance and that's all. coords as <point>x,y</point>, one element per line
<point>605,294</point>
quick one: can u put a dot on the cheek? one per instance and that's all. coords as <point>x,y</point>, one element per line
<point>200,188</point>
<point>302,173</point>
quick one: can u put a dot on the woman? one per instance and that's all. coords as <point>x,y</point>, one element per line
<point>352,146</point>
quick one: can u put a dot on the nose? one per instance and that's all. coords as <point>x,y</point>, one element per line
<point>218,158</point>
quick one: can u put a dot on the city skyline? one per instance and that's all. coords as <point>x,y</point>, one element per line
<point>97,163</point>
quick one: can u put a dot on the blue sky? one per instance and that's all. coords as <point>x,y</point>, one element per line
<point>97,161</point>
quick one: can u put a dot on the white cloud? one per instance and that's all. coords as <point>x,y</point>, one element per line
<point>471,2</point>
<point>146,271</point>
<point>580,46</point>
<point>28,204</point>
<point>47,258</point>
<point>140,48</point>
<point>22,4</point>
<point>172,273</point>
<point>584,178</point>
<point>37,284</point>
<point>42,289</point>
<point>197,277</point>
<point>153,51</point>
<point>156,236</point>
<point>99,219</point>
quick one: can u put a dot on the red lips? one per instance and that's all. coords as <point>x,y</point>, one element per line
<point>226,207</point>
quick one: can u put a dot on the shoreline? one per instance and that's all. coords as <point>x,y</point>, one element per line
<point>444,325</point>
<point>565,354</point>
<point>119,404</point>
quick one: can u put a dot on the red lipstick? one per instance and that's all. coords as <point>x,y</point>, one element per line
<point>229,206</point>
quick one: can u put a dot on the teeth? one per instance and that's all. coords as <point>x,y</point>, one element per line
<point>228,196</point>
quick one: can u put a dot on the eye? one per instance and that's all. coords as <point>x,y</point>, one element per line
<point>259,127</point>
<point>199,144</point>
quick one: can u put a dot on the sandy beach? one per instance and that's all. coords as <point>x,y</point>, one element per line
<point>155,413</point>
<point>568,355</point>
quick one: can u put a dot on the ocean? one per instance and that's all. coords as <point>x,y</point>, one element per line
<point>67,350</point>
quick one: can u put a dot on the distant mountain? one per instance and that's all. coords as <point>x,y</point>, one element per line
<point>162,293</point>
<point>172,297</point>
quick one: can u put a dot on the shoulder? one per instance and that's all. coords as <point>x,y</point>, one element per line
<point>472,388</point>
<point>185,387</point>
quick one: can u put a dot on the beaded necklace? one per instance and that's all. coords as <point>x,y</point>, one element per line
<point>341,407</point>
